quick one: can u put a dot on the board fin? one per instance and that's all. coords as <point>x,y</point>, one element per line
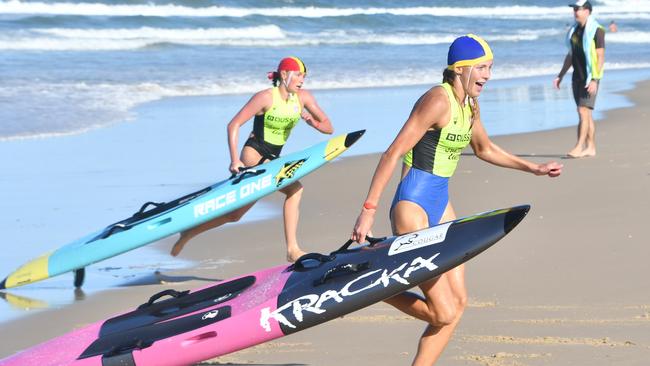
<point>79,277</point>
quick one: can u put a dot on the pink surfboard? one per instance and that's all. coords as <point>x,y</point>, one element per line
<point>183,328</point>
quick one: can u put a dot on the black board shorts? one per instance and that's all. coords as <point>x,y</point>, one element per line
<point>581,97</point>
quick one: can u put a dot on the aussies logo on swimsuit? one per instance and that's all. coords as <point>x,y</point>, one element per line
<point>232,196</point>
<point>296,310</point>
<point>458,137</point>
<point>280,122</point>
<point>288,170</point>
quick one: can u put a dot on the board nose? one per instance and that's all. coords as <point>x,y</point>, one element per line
<point>352,137</point>
<point>514,217</point>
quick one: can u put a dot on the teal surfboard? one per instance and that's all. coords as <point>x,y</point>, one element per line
<point>155,221</point>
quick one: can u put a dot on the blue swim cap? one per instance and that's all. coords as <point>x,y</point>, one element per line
<point>468,50</point>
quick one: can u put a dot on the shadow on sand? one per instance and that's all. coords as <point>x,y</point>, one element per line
<point>157,278</point>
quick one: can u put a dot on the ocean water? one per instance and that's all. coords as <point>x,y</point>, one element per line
<point>71,66</point>
<point>89,130</point>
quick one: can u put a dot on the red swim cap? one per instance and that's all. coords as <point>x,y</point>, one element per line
<point>292,63</point>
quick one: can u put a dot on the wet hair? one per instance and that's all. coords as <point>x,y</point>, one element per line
<point>275,78</point>
<point>449,76</point>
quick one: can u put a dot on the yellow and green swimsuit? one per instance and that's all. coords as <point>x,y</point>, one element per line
<point>439,150</point>
<point>434,159</point>
<point>272,129</point>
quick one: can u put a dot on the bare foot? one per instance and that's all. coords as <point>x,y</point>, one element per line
<point>178,247</point>
<point>293,255</point>
<point>589,153</point>
<point>575,153</point>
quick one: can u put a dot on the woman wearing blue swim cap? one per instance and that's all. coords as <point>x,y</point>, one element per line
<point>442,122</point>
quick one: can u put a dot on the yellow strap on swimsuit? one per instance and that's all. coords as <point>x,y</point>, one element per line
<point>438,151</point>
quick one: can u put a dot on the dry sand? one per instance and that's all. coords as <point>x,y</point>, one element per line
<point>569,286</point>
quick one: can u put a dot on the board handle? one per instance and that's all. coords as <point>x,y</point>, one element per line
<point>114,229</point>
<point>373,241</point>
<point>245,173</point>
<point>146,205</point>
<point>169,292</point>
<point>300,263</point>
<point>348,268</point>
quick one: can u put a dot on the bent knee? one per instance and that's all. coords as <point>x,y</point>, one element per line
<point>461,303</point>
<point>446,315</point>
<point>442,316</point>
<point>295,189</point>
<point>584,111</point>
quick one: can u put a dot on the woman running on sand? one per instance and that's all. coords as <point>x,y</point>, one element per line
<point>442,122</point>
<point>276,111</point>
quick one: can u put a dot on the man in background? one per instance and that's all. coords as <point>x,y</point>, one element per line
<point>586,43</point>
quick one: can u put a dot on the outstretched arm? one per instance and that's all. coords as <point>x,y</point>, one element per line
<point>488,151</point>
<point>313,114</point>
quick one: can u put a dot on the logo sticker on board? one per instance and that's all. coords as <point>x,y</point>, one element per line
<point>292,313</point>
<point>288,170</point>
<point>210,314</point>
<point>408,242</point>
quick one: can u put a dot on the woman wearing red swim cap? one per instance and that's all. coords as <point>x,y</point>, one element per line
<point>275,112</point>
<point>442,122</point>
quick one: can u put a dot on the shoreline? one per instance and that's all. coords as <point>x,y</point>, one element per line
<point>132,113</point>
<point>566,287</point>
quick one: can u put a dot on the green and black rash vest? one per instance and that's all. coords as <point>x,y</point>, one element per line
<point>438,151</point>
<point>272,129</point>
